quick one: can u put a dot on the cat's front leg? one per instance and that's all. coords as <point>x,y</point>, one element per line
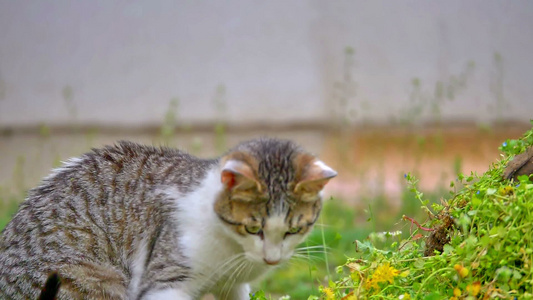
<point>167,294</point>
<point>237,292</point>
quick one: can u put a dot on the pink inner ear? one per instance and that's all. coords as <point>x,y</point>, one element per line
<point>228,179</point>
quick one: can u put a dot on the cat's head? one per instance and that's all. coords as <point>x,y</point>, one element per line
<point>271,197</point>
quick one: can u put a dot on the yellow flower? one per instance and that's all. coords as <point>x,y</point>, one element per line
<point>508,190</point>
<point>457,292</point>
<point>328,292</point>
<point>371,283</point>
<point>385,273</point>
<point>463,272</point>
<point>474,288</point>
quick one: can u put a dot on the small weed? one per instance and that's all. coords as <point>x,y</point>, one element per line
<point>68,98</point>
<point>500,104</point>
<point>8,206</point>
<point>424,102</point>
<point>219,101</point>
<point>168,128</point>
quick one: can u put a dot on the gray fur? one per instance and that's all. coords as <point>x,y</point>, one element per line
<point>87,220</point>
<point>94,213</point>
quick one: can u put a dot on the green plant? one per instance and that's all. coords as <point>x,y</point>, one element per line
<point>489,253</point>
<point>219,101</point>
<point>485,249</point>
<point>170,122</point>
<point>500,104</point>
<point>8,206</point>
<point>422,101</point>
<point>68,96</point>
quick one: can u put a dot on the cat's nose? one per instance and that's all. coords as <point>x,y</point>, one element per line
<point>271,262</point>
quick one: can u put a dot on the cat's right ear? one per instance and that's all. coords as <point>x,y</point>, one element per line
<point>237,176</point>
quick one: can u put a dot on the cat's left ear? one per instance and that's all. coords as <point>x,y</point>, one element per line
<point>314,177</point>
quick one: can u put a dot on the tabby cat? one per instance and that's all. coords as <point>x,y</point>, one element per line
<point>139,222</point>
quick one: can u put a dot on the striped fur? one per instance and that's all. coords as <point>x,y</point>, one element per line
<point>122,222</point>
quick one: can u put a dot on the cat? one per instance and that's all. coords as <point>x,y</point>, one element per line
<point>139,222</point>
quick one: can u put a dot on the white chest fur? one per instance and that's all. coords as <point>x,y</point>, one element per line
<point>216,259</point>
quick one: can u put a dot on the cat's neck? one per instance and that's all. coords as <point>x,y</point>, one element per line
<point>197,220</point>
<point>201,231</point>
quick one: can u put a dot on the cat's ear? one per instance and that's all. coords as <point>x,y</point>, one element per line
<point>237,175</point>
<point>314,176</point>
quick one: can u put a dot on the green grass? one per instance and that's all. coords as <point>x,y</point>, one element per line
<point>8,206</point>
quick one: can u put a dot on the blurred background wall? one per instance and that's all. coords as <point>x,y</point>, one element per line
<point>378,88</point>
<point>121,63</point>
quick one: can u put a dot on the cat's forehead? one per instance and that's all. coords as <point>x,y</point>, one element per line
<point>274,159</point>
<point>273,149</point>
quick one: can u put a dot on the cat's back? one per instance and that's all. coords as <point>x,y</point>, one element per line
<point>113,176</point>
<point>123,171</point>
<point>93,209</point>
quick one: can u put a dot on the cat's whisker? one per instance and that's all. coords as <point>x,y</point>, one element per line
<point>248,268</point>
<point>231,280</point>
<point>314,247</point>
<point>238,266</point>
<point>316,254</point>
<point>311,252</point>
<point>313,258</point>
<point>292,263</point>
<point>222,269</point>
<point>223,292</point>
<point>308,257</point>
<point>234,260</point>
<point>237,276</point>
<point>207,280</point>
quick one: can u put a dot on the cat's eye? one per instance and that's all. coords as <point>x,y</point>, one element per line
<point>253,229</point>
<point>294,230</point>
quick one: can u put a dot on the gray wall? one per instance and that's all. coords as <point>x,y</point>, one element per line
<point>120,63</point>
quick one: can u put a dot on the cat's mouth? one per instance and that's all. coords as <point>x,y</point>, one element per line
<point>271,262</point>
